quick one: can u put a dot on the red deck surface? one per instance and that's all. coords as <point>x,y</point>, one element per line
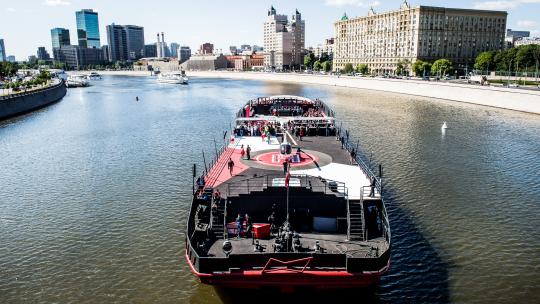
<point>219,173</point>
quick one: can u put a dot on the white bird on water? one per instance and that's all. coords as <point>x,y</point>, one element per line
<point>444,126</point>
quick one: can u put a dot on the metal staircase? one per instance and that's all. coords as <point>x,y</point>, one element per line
<point>356,221</point>
<point>217,219</point>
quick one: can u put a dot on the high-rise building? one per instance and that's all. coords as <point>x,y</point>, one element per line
<point>76,57</point>
<point>256,48</point>
<point>527,40</point>
<point>32,58</point>
<point>150,50</point>
<point>162,48</point>
<point>106,50</point>
<point>126,42</point>
<point>87,28</point>
<point>184,53</point>
<point>3,56</point>
<point>233,49</point>
<point>512,36</point>
<point>206,48</point>
<point>284,41</point>
<point>417,33</point>
<point>42,54</point>
<point>174,49</point>
<point>11,58</point>
<point>326,48</point>
<point>245,47</point>
<point>59,37</point>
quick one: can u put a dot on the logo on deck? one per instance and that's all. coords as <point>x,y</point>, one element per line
<point>280,158</point>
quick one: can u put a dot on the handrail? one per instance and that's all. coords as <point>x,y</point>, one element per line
<point>348,220</point>
<point>218,171</point>
<point>367,170</point>
<point>237,186</point>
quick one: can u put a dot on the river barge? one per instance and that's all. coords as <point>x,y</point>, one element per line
<point>288,202</point>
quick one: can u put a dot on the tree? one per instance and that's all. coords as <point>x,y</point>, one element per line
<point>441,66</point>
<point>348,68</point>
<point>324,57</point>
<point>525,55</point>
<point>362,68</point>
<point>8,68</point>
<point>309,59</point>
<point>317,65</point>
<point>327,66</point>
<point>421,68</point>
<point>536,55</point>
<point>504,59</point>
<point>484,61</point>
<point>403,67</point>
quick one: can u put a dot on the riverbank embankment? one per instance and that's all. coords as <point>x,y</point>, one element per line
<point>507,98</point>
<point>25,102</point>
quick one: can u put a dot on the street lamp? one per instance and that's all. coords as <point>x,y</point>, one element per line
<point>509,71</point>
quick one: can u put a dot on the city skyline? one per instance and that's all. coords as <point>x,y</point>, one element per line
<point>224,24</point>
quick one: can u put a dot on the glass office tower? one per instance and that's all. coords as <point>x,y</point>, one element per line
<point>60,37</point>
<point>3,56</point>
<point>87,28</point>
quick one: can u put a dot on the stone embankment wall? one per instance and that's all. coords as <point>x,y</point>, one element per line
<point>524,100</point>
<point>508,98</point>
<point>21,103</point>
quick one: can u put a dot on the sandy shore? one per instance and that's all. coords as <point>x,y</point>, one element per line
<point>507,98</point>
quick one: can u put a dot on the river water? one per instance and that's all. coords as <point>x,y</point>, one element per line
<point>94,194</point>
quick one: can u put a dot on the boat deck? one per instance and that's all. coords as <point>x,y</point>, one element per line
<point>332,163</point>
<point>332,243</point>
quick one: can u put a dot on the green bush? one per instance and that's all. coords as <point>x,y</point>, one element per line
<point>348,68</point>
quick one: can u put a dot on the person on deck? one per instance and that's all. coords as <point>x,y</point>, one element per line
<point>230,165</point>
<point>285,167</point>
<point>248,152</point>
<point>353,156</point>
<point>372,186</point>
<point>249,225</point>
<point>272,222</point>
<point>242,153</point>
<point>239,225</point>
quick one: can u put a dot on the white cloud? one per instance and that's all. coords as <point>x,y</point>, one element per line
<point>526,23</point>
<point>11,9</point>
<point>495,5</point>
<point>502,4</point>
<point>56,2</point>
<point>343,2</point>
<point>351,3</point>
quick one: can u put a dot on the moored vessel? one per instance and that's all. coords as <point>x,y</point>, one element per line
<point>173,78</point>
<point>94,76</point>
<point>75,81</point>
<point>288,202</point>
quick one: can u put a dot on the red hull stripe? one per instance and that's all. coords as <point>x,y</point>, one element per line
<point>284,277</point>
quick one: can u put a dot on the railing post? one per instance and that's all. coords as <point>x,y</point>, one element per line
<point>348,221</point>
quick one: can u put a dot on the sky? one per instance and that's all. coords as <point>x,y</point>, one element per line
<point>25,24</point>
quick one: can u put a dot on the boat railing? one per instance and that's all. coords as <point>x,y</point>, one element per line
<point>260,183</point>
<point>350,147</point>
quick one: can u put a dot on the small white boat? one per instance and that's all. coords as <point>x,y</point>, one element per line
<point>444,126</point>
<point>94,76</point>
<point>75,81</point>
<point>174,78</point>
